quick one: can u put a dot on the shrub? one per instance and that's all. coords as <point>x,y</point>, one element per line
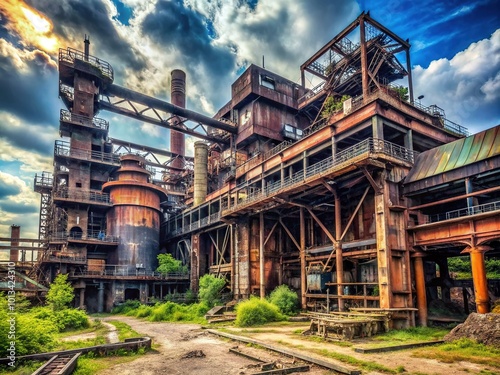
<point>143,311</point>
<point>168,264</point>
<point>33,335</point>
<point>60,293</point>
<point>71,319</point>
<point>124,308</point>
<point>286,299</point>
<point>210,290</point>
<point>65,319</point>
<point>256,311</point>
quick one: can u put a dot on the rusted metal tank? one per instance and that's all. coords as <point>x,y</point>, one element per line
<point>178,98</point>
<point>135,216</point>
<point>200,172</point>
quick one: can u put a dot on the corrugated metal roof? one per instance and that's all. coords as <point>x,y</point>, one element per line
<point>460,153</point>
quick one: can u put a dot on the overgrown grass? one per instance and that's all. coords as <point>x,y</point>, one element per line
<point>124,330</point>
<point>411,335</point>
<point>166,311</point>
<point>462,350</point>
<point>88,365</point>
<point>255,311</point>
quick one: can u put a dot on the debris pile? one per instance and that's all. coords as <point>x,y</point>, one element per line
<point>483,328</point>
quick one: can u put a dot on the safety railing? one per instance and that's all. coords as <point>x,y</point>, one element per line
<point>196,225</point>
<point>70,55</point>
<point>90,236</point>
<point>44,180</point>
<point>74,118</point>
<point>63,148</point>
<point>80,195</point>
<point>130,271</point>
<point>369,146</point>
<point>65,258</point>
<point>67,91</point>
<point>469,211</point>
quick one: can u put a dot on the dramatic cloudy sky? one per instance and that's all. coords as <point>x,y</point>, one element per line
<point>455,57</point>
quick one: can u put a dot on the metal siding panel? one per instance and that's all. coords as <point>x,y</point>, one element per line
<point>464,153</point>
<point>475,147</point>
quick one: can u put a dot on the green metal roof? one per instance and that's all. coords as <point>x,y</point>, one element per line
<point>457,154</point>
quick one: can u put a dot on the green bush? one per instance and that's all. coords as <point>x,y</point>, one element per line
<point>71,319</point>
<point>286,299</point>
<point>60,293</point>
<point>125,307</point>
<point>143,311</point>
<point>32,335</point>
<point>168,264</point>
<point>65,319</point>
<point>255,312</point>
<point>210,290</point>
<point>174,312</point>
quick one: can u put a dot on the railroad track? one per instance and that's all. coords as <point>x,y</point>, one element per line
<point>59,365</point>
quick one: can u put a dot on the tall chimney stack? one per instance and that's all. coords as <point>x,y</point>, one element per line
<point>178,98</point>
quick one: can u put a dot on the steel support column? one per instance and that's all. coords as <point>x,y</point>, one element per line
<point>418,263</point>
<point>303,276</point>
<point>479,277</point>
<point>339,262</point>
<point>262,282</point>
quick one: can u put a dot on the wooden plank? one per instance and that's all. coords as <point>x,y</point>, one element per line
<point>280,371</point>
<point>397,347</point>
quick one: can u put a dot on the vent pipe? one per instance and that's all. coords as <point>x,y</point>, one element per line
<point>200,173</point>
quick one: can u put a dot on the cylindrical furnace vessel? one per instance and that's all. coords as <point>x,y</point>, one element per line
<point>135,216</point>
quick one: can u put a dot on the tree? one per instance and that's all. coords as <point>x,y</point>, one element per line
<point>60,293</point>
<point>168,264</point>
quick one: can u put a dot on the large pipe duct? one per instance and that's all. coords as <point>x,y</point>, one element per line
<point>178,98</point>
<point>200,172</point>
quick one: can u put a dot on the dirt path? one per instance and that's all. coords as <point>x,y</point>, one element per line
<point>172,342</point>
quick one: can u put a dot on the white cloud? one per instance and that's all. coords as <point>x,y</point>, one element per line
<point>18,205</point>
<point>467,86</point>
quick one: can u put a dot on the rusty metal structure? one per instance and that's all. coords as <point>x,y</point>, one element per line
<point>348,192</point>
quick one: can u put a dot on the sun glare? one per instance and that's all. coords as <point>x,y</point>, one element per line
<point>40,24</point>
<point>33,27</point>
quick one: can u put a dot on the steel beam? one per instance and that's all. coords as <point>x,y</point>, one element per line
<point>154,103</point>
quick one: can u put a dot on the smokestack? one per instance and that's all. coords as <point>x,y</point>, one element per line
<point>178,98</point>
<point>87,47</point>
<point>200,172</point>
<point>15,234</point>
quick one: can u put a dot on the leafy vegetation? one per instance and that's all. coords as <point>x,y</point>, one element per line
<point>60,293</point>
<point>333,104</point>
<point>461,268</point>
<point>286,299</point>
<point>401,92</point>
<point>37,329</point>
<point>255,311</point>
<point>210,290</point>
<point>165,311</point>
<point>168,264</point>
